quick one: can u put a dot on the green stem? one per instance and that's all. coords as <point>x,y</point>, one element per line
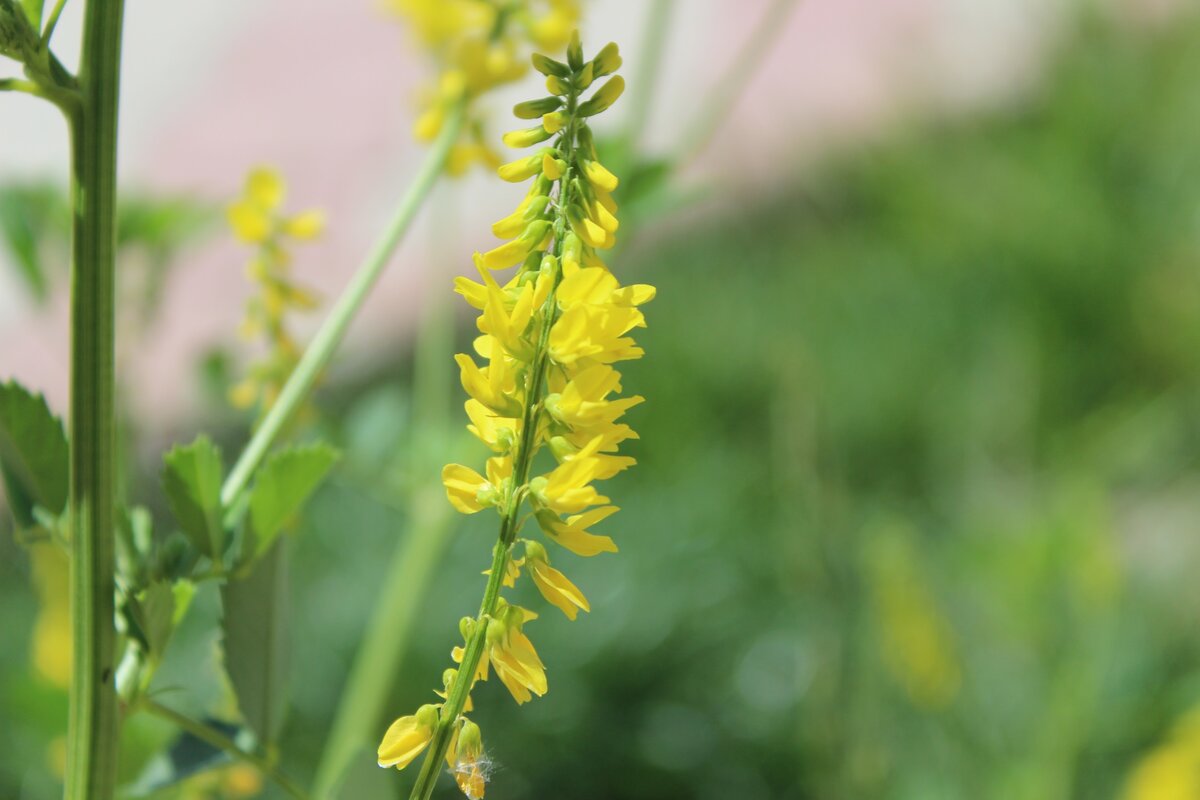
<point>652,52</point>
<point>726,93</point>
<point>385,640</point>
<point>52,22</point>
<point>92,742</point>
<point>225,744</point>
<point>327,339</point>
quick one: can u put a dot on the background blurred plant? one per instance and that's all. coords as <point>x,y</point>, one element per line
<point>955,368</point>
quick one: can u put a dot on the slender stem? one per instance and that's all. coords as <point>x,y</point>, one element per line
<point>93,723</point>
<point>652,52</point>
<point>722,98</point>
<point>385,640</point>
<point>327,339</point>
<point>52,22</point>
<point>222,742</point>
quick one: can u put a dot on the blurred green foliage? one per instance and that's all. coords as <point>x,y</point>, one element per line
<point>918,487</point>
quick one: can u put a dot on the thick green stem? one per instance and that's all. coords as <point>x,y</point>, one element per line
<point>223,743</point>
<point>93,724</point>
<point>332,331</point>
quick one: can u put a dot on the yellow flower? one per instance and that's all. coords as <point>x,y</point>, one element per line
<point>255,219</point>
<point>469,491</point>
<point>466,759</point>
<point>407,737</point>
<point>553,585</point>
<point>574,534</point>
<point>513,657</point>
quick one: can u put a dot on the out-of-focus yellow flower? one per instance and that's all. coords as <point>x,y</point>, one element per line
<point>918,647</point>
<point>52,645</point>
<point>478,45</point>
<point>256,219</point>
<point>1170,771</point>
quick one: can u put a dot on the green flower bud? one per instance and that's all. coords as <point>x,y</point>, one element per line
<point>532,109</point>
<point>555,85</point>
<point>466,626</point>
<point>607,61</point>
<point>561,448</point>
<point>585,77</point>
<point>575,53</point>
<point>470,742</point>
<point>534,551</point>
<point>526,137</point>
<point>604,97</point>
<point>548,66</point>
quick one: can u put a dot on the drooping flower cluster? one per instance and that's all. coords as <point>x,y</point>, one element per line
<point>542,379</point>
<point>478,45</point>
<point>256,219</point>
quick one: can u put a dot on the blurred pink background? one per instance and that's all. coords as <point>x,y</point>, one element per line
<point>325,91</point>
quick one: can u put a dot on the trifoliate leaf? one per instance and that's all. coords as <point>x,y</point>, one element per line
<point>283,486</point>
<point>33,454</point>
<point>192,480</point>
<point>254,628</point>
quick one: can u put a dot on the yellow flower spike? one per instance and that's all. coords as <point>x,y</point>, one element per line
<point>554,586</point>
<point>598,176</point>
<point>550,331</point>
<point>407,737</point>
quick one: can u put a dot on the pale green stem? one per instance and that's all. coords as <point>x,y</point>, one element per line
<point>52,22</point>
<point>93,727</point>
<point>226,745</point>
<point>332,331</point>
<point>733,82</point>
<point>413,567</point>
<point>652,51</point>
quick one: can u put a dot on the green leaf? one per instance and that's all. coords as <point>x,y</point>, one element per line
<point>192,480</point>
<point>284,483</point>
<point>152,616</point>
<point>254,628</point>
<point>33,13</point>
<point>31,218</point>
<point>33,454</point>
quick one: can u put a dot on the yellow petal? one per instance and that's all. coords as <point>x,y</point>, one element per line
<point>462,487</point>
<point>249,222</point>
<point>264,188</point>
<point>307,225</point>
<point>404,741</point>
<point>558,590</point>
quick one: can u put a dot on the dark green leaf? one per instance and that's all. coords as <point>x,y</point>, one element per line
<point>33,454</point>
<point>283,486</point>
<point>254,627</point>
<point>192,480</point>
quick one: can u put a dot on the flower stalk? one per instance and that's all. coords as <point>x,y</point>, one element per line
<point>92,742</point>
